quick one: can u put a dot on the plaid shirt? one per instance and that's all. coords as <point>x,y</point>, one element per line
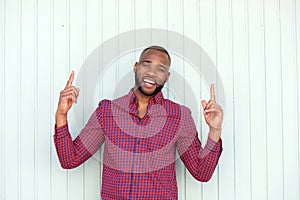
<point>139,153</point>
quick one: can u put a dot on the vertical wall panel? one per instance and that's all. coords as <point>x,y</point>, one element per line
<point>289,97</point>
<point>75,48</point>
<point>142,14</point>
<point>60,186</point>
<point>242,135</point>
<point>257,98</point>
<point>12,102</point>
<point>92,39</point>
<point>175,23</point>
<point>125,24</point>
<point>27,101</point>
<point>273,100</point>
<point>194,188</point>
<point>297,26</point>
<point>100,91</point>
<point>142,18</point>
<point>224,67</point>
<point>126,16</point>
<point>52,109</point>
<point>159,13</point>
<point>44,113</point>
<point>93,25</point>
<point>208,43</point>
<point>2,81</point>
<point>110,29</point>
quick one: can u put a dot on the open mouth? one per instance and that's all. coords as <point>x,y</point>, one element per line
<point>149,82</point>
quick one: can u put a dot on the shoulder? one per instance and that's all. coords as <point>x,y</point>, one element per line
<point>108,104</point>
<point>176,108</point>
<point>104,103</point>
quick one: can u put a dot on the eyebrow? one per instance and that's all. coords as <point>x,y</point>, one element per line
<point>149,61</point>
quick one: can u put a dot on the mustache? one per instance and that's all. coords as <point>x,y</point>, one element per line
<point>139,86</point>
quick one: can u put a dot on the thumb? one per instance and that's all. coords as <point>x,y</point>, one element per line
<point>78,90</point>
<point>203,102</point>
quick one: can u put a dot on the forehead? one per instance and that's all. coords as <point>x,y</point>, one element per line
<point>155,56</point>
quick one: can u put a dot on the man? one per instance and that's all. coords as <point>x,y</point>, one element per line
<point>142,131</point>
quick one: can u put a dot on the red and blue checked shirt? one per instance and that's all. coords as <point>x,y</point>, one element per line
<point>139,153</point>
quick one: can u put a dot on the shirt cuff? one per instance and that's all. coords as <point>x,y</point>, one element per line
<point>61,131</point>
<point>211,145</point>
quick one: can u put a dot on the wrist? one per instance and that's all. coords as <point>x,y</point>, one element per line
<point>215,134</point>
<point>60,119</point>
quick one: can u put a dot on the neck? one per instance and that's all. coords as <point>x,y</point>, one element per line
<point>142,99</point>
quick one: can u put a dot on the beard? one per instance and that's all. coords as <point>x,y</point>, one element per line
<point>139,86</point>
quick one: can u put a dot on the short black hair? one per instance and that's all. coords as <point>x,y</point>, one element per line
<point>158,48</point>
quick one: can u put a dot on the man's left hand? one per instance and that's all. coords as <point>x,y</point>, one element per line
<point>213,114</point>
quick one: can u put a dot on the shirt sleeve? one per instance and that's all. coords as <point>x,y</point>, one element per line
<point>73,153</point>
<point>201,162</point>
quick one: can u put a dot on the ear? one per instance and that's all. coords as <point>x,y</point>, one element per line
<point>135,66</point>
<point>168,76</point>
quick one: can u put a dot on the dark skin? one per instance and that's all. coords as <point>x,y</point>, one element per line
<point>152,70</point>
<point>156,59</point>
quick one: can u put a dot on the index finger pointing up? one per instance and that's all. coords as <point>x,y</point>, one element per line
<point>70,81</point>
<point>212,92</point>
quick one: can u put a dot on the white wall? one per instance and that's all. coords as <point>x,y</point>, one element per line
<point>254,45</point>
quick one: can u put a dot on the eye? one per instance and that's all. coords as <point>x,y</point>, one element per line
<point>161,69</point>
<point>145,65</point>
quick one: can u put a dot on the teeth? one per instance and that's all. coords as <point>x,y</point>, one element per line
<point>149,81</point>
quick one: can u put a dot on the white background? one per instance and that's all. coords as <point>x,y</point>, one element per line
<point>253,43</point>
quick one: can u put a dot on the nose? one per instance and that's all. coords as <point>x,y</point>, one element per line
<point>151,71</point>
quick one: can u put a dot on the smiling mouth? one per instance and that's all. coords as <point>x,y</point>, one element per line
<point>149,81</point>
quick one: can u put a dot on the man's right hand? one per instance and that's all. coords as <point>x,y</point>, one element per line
<point>67,97</point>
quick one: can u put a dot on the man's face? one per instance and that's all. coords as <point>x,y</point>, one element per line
<point>151,72</point>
